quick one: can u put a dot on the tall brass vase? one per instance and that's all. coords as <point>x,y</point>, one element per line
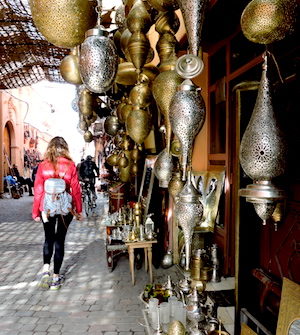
<point>187,115</point>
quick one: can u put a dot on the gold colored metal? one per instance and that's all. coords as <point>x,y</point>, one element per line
<point>127,74</point>
<point>138,124</point>
<point>167,22</point>
<point>63,22</point>
<point>176,328</point>
<point>69,68</point>
<point>164,5</point>
<point>86,103</point>
<point>123,161</point>
<point>176,149</point>
<point>119,110</point>
<point>88,136</point>
<point>134,169</point>
<point>163,89</point>
<point>124,172</point>
<point>175,184</point>
<point>289,310</point>
<point>245,330</point>
<point>83,126</point>
<point>166,47</point>
<point>267,21</point>
<point>124,39</point>
<point>125,112</point>
<point>111,125</point>
<point>113,159</point>
<point>141,94</point>
<point>138,19</point>
<point>138,47</point>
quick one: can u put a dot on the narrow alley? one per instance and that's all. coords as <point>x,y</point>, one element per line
<point>92,300</point>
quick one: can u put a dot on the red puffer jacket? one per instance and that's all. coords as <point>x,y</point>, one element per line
<point>65,169</point>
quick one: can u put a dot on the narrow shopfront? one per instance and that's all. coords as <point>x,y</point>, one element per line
<point>193,108</point>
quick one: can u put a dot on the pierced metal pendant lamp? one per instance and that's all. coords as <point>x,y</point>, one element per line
<point>98,63</point>
<point>263,152</point>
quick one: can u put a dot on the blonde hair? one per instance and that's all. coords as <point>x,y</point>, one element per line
<point>57,147</point>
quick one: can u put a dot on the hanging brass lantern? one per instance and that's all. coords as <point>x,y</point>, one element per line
<point>187,115</point>
<point>164,88</point>
<point>127,74</point>
<point>69,68</point>
<point>63,22</point>
<point>88,136</point>
<point>138,124</point>
<point>98,62</point>
<point>113,159</point>
<point>141,94</point>
<point>138,19</point>
<point>138,47</point>
<point>124,172</point>
<point>175,184</point>
<point>163,167</point>
<point>267,21</point>
<point>111,125</point>
<point>86,103</point>
<point>188,212</point>
<point>123,161</point>
<point>263,152</point>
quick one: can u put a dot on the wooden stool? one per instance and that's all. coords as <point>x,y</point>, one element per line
<point>147,246</point>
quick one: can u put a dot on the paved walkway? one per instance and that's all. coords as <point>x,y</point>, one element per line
<point>92,301</point>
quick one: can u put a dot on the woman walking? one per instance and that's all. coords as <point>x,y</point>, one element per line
<point>56,168</point>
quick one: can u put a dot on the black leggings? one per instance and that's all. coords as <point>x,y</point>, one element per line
<point>55,234</point>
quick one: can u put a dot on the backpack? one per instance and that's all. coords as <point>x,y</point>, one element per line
<point>57,200</point>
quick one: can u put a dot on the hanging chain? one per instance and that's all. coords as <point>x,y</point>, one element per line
<point>99,11</point>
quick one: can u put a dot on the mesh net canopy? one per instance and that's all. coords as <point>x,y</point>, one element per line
<point>26,57</point>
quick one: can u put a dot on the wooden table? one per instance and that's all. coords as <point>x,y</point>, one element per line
<point>147,246</point>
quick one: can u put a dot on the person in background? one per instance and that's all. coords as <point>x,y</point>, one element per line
<point>78,167</point>
<point>57,163</point>
<point>23,181</point>
<point>89,171</point>
<point>34,170</point>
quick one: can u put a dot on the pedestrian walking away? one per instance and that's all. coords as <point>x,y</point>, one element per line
<point>57,168</point>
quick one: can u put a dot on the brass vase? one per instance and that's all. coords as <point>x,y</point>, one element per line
<point>188,212</point>
<point>268,21</point>
<point>63,22</point>
<point>98,62</point>
<point>263,152</point>
<point>69,68</point>
<point>138,124</point>
<point>187,115</point>
<point>163,167</point>
<point>163,89</point>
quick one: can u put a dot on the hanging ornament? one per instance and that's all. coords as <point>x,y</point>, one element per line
<point>268,21</point>
<point>88,136</point>
<point>263,152</point>
<point>111,125</point>
<point>63,22</point>
<point>163,167</point>
<point>190,65</point>
<point>69,67</point>
<point>188,212</point>
<point>98,62</point>
<point>187,115</point>
<point>138,124</point>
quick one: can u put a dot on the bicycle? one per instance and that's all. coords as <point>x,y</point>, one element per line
<point>88,198</point>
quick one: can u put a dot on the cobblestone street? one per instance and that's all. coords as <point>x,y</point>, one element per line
<point>92,300</point>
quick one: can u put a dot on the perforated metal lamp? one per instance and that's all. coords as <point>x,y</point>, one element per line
<point>263,153</point>
<point>98,62</point>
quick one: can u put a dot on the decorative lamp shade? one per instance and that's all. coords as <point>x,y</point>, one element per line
<point>187,114</point>
<point>63,22</point>
<point>188,212</point>
<point>263,152</point>
<point>98,62</point>
<point>163,167</point>
<point>267,21</point>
